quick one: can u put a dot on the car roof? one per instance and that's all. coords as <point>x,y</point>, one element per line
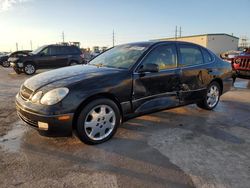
<point>153,43</point>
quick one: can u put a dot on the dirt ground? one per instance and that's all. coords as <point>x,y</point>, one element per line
<point>181,147</point>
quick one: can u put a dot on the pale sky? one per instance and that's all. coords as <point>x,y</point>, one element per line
<point>92,22</point>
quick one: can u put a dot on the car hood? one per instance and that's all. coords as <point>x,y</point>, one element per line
<point>69,74</point>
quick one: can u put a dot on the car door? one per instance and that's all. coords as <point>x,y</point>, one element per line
<point>193,73</point>
<point>43,58</point>
<point>157,90</point>
<point>62,56</point>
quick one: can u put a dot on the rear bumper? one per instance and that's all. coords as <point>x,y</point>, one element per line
<point>54,123</point>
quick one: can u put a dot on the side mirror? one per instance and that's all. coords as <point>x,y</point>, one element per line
<point>150,67</point>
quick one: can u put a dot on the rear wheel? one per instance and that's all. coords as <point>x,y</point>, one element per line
<point>212,97</point>
<point>98,121</point>
<point>29,69</point>
<point>72,63</point>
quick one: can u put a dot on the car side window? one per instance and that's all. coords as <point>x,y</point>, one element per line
<point>64,50</point>
<point>73,50</point>
<point>190,55</point>
<point>54,50</point>
<point>164,56</point>
<point>45,51</point>
<point>207,56</point>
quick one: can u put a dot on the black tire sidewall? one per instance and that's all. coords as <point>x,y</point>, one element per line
<point>82,116</point>
<point>26,64</point>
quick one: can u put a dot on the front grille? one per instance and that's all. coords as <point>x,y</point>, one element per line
<point>245,63</point>
<point>25,92</point>
<point>28,121</point>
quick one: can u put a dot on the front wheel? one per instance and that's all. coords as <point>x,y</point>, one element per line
<point>98,121</point>
<point>29,69</point>
<point>72,63</point>
<point>6,64</point>
<point>212,97</point>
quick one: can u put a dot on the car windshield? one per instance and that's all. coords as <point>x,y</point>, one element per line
<point>123,56</point>
<point>37,50</point>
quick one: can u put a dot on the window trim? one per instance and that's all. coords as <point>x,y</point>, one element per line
<point>154,47</point>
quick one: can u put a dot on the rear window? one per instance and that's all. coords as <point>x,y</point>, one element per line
<point>73,50</point>
<point>207,56</point>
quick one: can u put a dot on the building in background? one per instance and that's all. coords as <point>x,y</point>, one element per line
<point>218,42</point>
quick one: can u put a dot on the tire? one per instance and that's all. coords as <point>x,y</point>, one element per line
<point>17,71</point>
<point>72,63</point>
<point>212,97</point>
<point>95,130</point>
<point>6,64</point>
<point>29,68</point>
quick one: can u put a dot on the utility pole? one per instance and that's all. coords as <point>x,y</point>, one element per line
<point>63,36</point>
<point>16,46</point>
<point>175,33</point>
<point>113,37</point>
<point>180,32</point>
<point>31,45</point>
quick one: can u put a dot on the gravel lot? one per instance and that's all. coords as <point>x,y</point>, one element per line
<point>182,147</point>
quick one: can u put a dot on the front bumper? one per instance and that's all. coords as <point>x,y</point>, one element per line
<point>16,65</point>
<point>242,73</point>
<point>55,122</point>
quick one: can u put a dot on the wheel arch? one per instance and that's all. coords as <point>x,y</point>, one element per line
<point>220,82</point>
<point>91,98</point>
<point>29,61</point>
<point>73,60</point>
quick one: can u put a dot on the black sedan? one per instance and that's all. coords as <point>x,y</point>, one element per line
<point>124,82</point>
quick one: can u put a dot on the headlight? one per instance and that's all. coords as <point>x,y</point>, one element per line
<point>36,98</point>
<point>54,96</point>
<point>237,60</point>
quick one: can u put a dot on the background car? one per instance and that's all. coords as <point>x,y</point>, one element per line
<point>240,63</point>
<point>5,59</point>
<point>48,56</point>
<point>123,82</point>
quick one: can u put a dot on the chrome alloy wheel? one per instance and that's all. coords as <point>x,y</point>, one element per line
<point>100,122</point>
<point>29,69</point>
<point>213,95</point>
